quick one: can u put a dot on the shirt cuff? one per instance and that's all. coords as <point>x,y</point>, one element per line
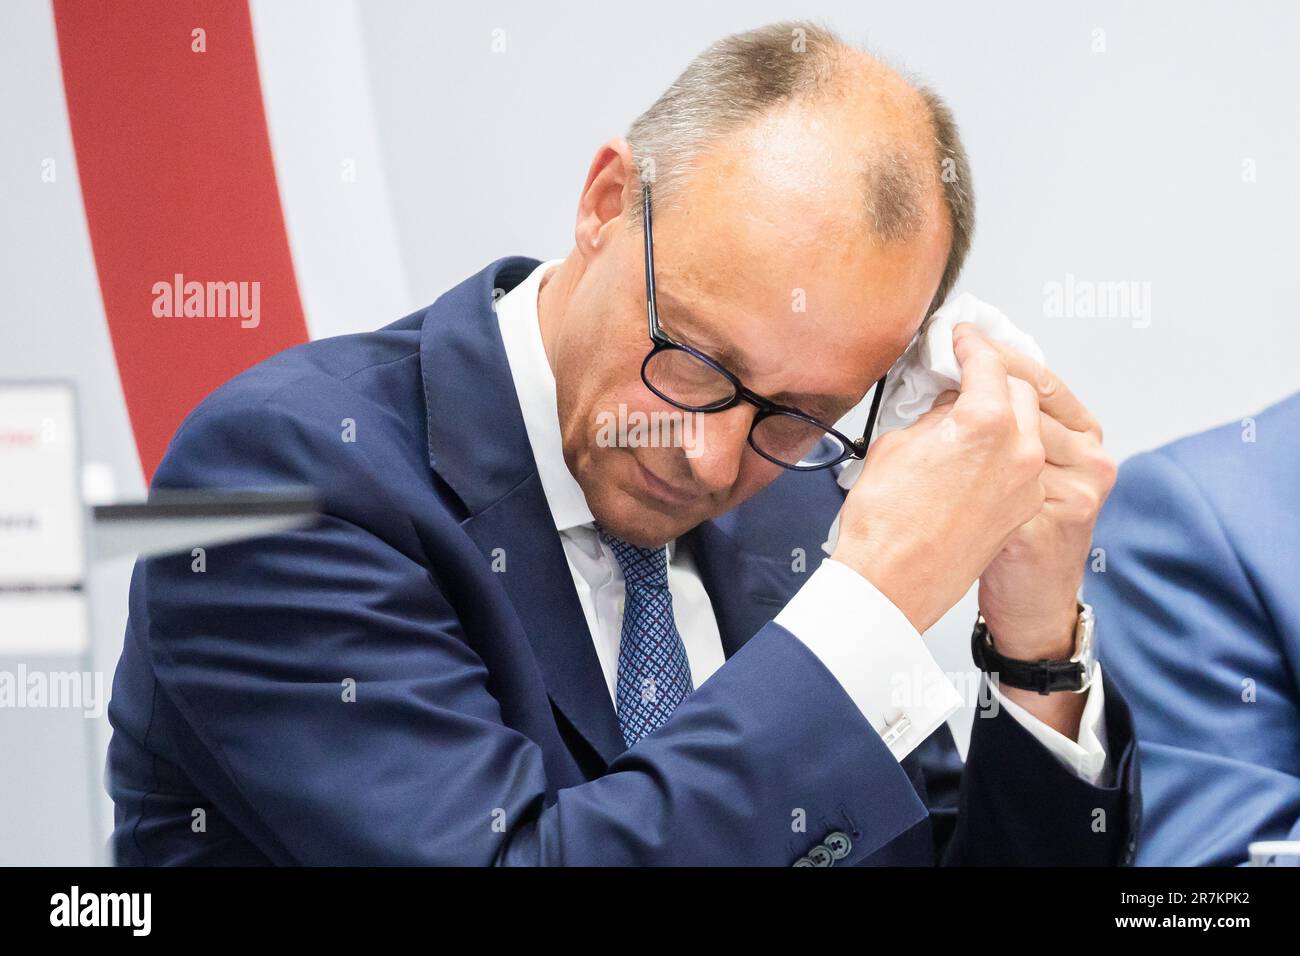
<point>1086,758</point>
<point>875,654</point>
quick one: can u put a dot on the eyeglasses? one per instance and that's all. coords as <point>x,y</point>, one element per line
<point>685,377</point>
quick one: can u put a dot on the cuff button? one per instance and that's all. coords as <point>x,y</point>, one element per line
<point>839,844</point>
<point>821,856</point>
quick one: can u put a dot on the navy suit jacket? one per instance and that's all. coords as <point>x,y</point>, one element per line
<point>1198,615</point>
<point>412,680</point>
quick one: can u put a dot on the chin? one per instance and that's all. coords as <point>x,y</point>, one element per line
<point>621,507</point>
<point>625,516</point>
<point>644,535</point>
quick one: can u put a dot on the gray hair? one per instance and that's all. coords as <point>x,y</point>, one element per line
<point>744,75</point>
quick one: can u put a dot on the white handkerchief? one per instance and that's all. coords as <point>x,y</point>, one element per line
<point>928,368</point>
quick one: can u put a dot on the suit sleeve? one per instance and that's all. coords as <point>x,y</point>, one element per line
<point>1181,630</point>
<point>1018,805</point>
<point>1013,803</point>
<point>344,716</point>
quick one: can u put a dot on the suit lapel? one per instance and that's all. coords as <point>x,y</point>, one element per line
<point>540,587</point>
<point>479,446</point>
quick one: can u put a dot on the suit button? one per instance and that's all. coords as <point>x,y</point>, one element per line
<point>839,844</point>
<point>804,861</point>
<point>821,856</point>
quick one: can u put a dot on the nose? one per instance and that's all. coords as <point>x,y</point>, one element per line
<point>720,444</point>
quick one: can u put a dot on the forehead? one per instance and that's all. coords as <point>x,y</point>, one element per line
<point>785,286</point>
<point>781,206</point>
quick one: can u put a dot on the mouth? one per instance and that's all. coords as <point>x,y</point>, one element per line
<point>663,491</point>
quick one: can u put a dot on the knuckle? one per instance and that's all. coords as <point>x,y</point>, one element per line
<point>1017,549</point>
<point>1019,385</point>
<point>1031,456</point>
<point>1087,505</point>
<point>985,416</point>
<point>1049,384</point>
<point>1107,470</point>
<point>1081,503</point>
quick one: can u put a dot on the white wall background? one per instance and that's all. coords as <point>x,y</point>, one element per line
<point>1122,165</point>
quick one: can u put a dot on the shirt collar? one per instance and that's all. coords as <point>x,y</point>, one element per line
<point>534,379</point>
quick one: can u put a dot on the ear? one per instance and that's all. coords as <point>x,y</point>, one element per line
<point>612,184</point>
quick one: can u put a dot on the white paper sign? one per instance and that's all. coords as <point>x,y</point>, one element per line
<point>41,521</point>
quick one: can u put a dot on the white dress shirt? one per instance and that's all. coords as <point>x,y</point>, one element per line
<point>865,642</point>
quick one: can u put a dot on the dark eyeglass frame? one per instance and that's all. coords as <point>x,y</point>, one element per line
<point>766,407</point>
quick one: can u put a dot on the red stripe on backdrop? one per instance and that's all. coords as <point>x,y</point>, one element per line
<point>177,178</point>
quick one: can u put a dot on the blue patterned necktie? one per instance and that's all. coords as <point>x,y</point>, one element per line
<point>654,675</point>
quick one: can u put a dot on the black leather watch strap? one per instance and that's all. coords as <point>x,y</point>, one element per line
<point>1044,676</point>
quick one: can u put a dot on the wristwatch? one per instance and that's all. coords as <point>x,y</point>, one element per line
<point>1074,674</point>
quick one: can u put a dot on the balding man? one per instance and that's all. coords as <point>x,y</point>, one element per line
<point>559,609</point>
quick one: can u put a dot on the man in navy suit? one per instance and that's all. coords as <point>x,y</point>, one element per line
<point>560,607</point>
<point>1202,633</point>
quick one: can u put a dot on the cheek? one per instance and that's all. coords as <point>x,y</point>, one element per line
<point>601,363</point>
<point>755,474</point>
<point>597,385</point>
<point>612,381</point>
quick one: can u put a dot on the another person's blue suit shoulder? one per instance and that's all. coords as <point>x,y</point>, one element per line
<point>412,680</point>
<point>1199,626</point>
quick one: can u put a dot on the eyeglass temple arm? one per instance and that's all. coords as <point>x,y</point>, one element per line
<point>649,258</point>
<point>876,398</point>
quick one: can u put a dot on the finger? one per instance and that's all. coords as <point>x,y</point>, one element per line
<point>983,373</point>
<point>945,398</point>
<point>1063,446</point>
<point>1059,483</point>
<point>1054,396</point>
<point>1078,452</point>
<point>1072,496</point>
<point>1024,403</point>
